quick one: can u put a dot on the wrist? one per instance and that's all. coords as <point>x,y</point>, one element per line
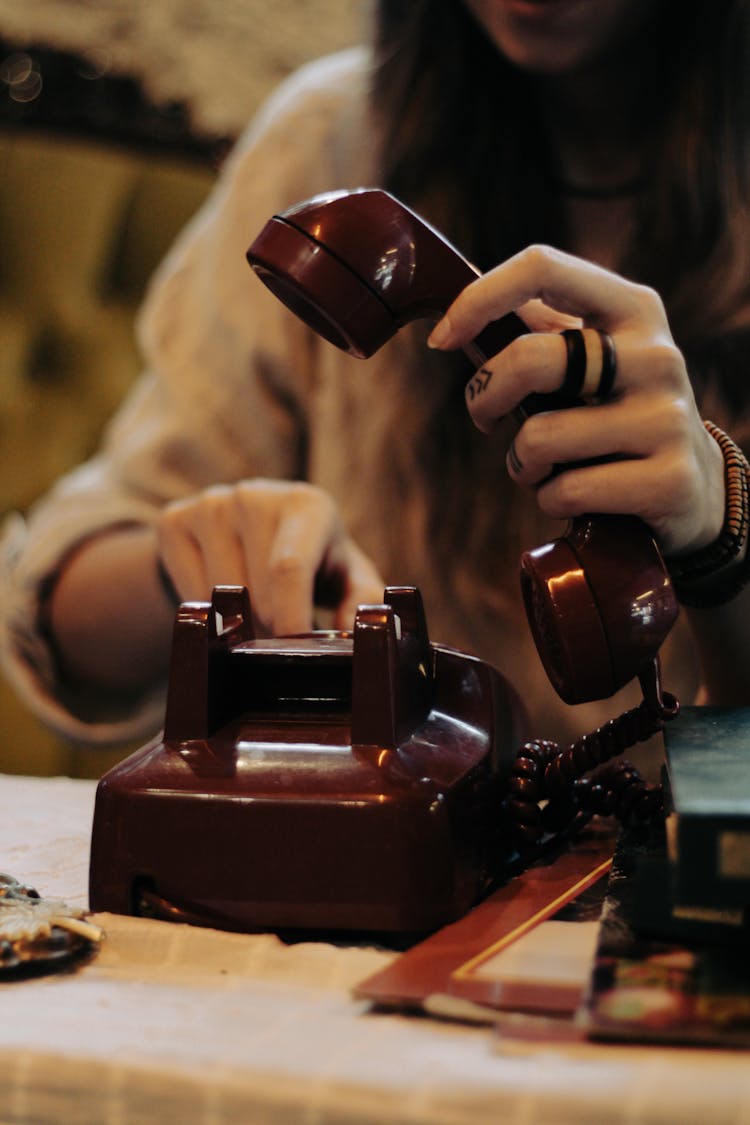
<point>714,574</point>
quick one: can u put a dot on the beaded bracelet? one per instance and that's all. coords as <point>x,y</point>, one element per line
<point>716,573</point>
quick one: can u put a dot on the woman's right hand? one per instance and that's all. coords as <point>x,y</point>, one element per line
<point>284,540</point>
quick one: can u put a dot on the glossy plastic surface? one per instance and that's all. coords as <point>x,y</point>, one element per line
<point>356,266</point>
<point>333,781</point>
<point>600,604</point>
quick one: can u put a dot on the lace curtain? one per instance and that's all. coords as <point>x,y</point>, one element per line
<point>220,59</point>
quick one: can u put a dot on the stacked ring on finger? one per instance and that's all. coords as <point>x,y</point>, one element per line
<point>715,574</point>
<point>591,365</point>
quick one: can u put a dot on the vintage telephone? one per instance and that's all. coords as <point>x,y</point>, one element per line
<point>330,781</point>
<point>371,781</point>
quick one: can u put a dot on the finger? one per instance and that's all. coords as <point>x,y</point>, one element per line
<point>653,488</point>
<point>562,368</point>
<point>534,362</point>
<point>562,282</point>
<point>665,479</point>
<point>538,363</point>
<point>364,586</point>
<point>541,318</point>
<point>302,540</point>
<point>257,510</point>
<point>199,546</point>
<point>183,561</point>
<point>214,529</point>
<point>612,431</point>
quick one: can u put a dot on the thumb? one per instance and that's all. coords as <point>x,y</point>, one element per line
<point>543,318</point>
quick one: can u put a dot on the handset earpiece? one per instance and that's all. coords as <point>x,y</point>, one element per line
<point>356,266</point>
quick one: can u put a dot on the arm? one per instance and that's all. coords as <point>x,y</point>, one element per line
<point>226,402</point>
<point>652,456</point>
<point>110,615</point>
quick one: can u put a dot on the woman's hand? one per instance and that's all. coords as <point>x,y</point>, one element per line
<point>661,463</point>
<point>283,540</point>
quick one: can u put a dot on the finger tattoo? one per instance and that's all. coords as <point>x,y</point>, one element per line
<point>478,383</point>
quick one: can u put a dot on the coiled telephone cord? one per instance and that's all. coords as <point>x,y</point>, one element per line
<point>549,790</point>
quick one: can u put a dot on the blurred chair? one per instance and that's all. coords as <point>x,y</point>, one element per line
<point>96,182</point>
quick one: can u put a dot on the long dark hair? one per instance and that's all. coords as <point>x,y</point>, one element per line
<point>446,98</point>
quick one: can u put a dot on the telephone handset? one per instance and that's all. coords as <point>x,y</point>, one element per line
<point>370,780</point>
<point>358,265</point>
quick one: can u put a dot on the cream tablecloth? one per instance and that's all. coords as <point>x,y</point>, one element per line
<point>175,1024</point>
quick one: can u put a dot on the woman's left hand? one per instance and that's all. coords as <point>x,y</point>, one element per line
<point>652,455</point>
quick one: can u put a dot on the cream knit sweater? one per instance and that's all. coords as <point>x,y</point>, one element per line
<point>235,387</point>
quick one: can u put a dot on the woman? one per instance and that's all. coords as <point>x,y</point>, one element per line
<point>254,452</point>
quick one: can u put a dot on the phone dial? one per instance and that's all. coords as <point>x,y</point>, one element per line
<point>371,780</point>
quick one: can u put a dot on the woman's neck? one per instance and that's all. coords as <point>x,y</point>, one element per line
<point>599,230</point>
<point>599,123</point>
<point>600,128</point>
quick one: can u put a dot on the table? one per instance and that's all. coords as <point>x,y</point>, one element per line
<point>174,1023</point>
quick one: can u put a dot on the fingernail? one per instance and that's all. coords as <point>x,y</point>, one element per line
<point>440,334</point>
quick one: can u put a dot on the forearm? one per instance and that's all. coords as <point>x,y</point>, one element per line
<point>110,617</point>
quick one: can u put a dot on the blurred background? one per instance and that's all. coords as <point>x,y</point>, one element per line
<point>114,119</point>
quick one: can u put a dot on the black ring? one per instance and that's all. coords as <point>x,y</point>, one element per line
<point>575,369</point>
<point>609,368</point>
<point>515,462</point>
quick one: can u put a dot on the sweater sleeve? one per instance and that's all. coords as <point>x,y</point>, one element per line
<point>228,376</point>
